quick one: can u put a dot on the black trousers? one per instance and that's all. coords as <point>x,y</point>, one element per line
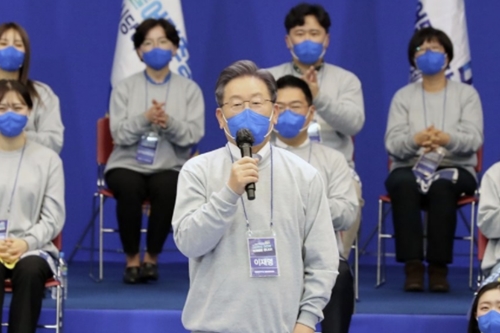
<point>28,287</point>
<point>441,205</point>
<point>339,310</point>
<point>131,189</point>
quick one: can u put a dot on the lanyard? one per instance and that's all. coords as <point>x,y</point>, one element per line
<point>272,197</point>
<point>15,182</point>
<point>167,81</point>
<point>444,107</point>
<point>310,152</point>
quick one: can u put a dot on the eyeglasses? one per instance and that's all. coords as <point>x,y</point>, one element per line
<point>434,48</point>
<point>237,106</point>
<point>295,107</point>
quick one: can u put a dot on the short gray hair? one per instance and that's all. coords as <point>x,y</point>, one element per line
<point>239,69</point>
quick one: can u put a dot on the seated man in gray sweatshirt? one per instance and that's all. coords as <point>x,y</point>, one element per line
<point>337,94</point>
<point>296,111</point>
<point>266,265</point>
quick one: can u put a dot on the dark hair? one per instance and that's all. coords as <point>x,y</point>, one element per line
<point>296,16</point>
<point>426,35</point>
<point>17,87</point>
<point>239,69</point>
<point>142,30</point>
<point>25,68</point>
<point>473,324</point>
<point>290,81</point>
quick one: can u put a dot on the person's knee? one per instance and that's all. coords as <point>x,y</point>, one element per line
<point>164,186</point>
<point>30,268</point>
<point>401,181</point>
<point>441,188</point>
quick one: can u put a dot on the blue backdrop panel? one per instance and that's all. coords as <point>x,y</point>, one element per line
<point>73,46</point>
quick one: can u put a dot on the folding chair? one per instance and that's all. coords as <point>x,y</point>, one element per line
<point>104,150</point>
<point>51,283</point>
<point>464,201</point>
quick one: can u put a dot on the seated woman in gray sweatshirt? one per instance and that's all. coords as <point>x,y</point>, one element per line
<point>32,210</point>
<point>488,219</point>
<point>44,122</point>
<point>263,265</point>
<point>156,118</point>
<point>435,115</point>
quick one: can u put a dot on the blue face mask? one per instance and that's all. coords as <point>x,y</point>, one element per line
<point>431,62</point>
<point>11,59</point>
<point>490,322</point>
<point>290,124</point>
<point>157,58</point>
<point>256,123</point>
<point>12,124</point>
<point>308,52</point>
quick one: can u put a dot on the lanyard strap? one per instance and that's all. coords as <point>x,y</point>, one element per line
<point>444,107</point>
<point>15,182</point>
<point>167,81</point>
<point>310,152</point>
<point>272,189</point>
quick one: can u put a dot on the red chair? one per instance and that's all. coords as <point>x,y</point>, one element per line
<point>482,241</point>
<point>463,202</point>
<point>51,283</point>
<point>104,150</point>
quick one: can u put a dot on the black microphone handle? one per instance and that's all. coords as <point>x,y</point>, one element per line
<point>250,188</point>
<point>246,150</point>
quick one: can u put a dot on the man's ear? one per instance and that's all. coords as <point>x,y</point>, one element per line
<point>220,118</point>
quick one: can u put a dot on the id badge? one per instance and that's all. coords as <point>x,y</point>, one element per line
<point>3,229</point>
<point>428,163</point>
<point>314,131</point>
<point>146,150</point>
<point>263,257</point>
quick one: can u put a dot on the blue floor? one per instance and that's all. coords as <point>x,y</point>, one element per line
<point>111,306</point>
<point>170,292</point>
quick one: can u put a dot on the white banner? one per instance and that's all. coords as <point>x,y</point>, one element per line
<point>126,61</point>
<point>448,16</point>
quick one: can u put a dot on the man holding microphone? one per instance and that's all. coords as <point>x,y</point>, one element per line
<point>262,265</point>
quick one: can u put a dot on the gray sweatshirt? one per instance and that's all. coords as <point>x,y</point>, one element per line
<point>339,105</point>
<point>459,114</point>
<point>44,122</point>
<point>38,211</point>
<point>209,228</point>
<point>185,127</point>
<point>337,177</point>
<point>488,217</point>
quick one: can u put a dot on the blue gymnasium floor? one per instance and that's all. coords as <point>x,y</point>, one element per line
<point>111,306</point>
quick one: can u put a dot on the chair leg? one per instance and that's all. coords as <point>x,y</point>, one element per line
<point>356,268</point>
<point>59,309</point>
<point>101,238</point>
<point>471,242</point>
<point>379,244</point>
<point>88,229</point>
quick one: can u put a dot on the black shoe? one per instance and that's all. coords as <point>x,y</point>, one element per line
<point>438,281</point>
<point>132,275</point>
<point>149,272</point>
<point>414,270</point>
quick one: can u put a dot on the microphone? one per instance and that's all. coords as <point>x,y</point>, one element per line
<point>244,141</point>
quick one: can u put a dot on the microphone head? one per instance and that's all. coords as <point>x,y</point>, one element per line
<point>244,136</point>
